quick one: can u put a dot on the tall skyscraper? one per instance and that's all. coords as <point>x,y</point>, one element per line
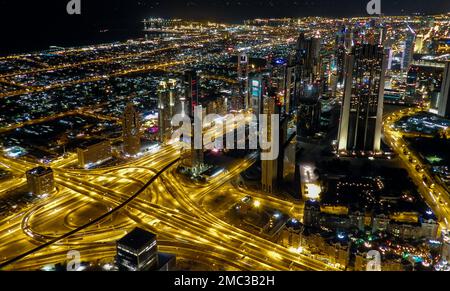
<point>243,70</point>
<point>40,181</point>
<point>309,111</point>
<point>444,97</point>
<point>191,92</point>
<point>409,49</point>
<point>165,111</point>
<point>419,45</point>
<point>289,92</point>
<point>131,125</point>
<point>307,58</point>
<point>269,168</point>
<point>362,106</point>
<point>192,158</point>
<point>258,86</point>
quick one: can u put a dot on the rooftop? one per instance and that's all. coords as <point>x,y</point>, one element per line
<point>137,239</point>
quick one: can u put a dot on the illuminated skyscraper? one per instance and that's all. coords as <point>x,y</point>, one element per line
<point>166,109</point>
<point>409,49</point>
<point>40,181</point>
<point>191,157</point>
<point>243,70</point>
<point>444,97</point>
<point>419,45</point>
<point>258,86</point>
<point>131,125</point>
<point>191,92</point>
<point>362,107</point>
<point>343,46</point>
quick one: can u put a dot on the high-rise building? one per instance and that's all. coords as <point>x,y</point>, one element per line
<point>192,158</point>
<point>409,49</point>
<point>311,215</point>
<point>309,111</point>
<point>269,168</point>
<point>94,152</point>
<point>444,97</point>
<point>419,45</point>
<point>362,106</point>
<point>137,251</point>
<point>166,111</point>
<point>191,92</point>
<point>131,126</point>
<point>423,83</point>
<point>243,70</point>
<point>289,91</point>
<point>344,46</point>
<point>258,86</point>
<point>40,181</point>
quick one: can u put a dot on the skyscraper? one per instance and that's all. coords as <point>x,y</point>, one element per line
<point>444,97</point>
<point>269,168</point>
<point>362,106</point>
<point>165,112</point>
<point>409,49</point>
<point>191,92</point>
<point>258,86</point>
<point>131,125</point>
<point>192,158</point>
<point>243,70</point>
<point>307,58</point>
<point>290,87</point>
<point>309,111</point>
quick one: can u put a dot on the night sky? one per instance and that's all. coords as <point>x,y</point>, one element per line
<point>39,23</point>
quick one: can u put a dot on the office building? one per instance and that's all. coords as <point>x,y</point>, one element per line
<point>362,106</point>
<point>131,126</point>
<point>166,110</point>
<point>258,86</point>
<point>192,159</point>
<point>40,181</point>
<point>137,251</point>
<point>419,45</point>
<point>191,92</point>
<point>424,83</point>
<point>311,215</point>
<point>289,92</point>
<point>307,58</point>
<point>309,111</point>
<point>94,152</point>
<point>444,97</point>
<point>409,49</point>
<point>269,168</point>
<point>243,70</point>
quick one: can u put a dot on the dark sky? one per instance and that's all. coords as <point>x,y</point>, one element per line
<point>33,23</point>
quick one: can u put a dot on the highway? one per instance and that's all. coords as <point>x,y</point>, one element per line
<point>435,195</point>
